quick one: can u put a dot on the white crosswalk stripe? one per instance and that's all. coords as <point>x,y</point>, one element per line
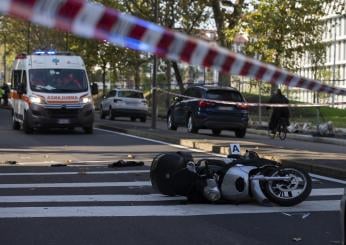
<point>126,201</point>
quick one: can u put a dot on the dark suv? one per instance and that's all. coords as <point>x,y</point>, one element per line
<point>201,113</point>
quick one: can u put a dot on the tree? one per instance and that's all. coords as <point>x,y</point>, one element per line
<point>281,30</point>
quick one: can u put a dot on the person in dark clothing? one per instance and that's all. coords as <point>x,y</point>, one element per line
<point>278,112</point>
<point>6,92</point>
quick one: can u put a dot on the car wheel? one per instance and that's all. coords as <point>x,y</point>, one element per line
<point>170,122</point>
<point>110,113</point>
<point>26,125</point>
<point>133,119</point>
<point>15,124</point>
<point>102,113</point>
<point>143,119</point>
<point>240,133</point>
<point>216,132</point>
<point>88,130</point>
<point>191,125</point>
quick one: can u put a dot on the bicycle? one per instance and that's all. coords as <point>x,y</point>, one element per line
<point>280,129</point>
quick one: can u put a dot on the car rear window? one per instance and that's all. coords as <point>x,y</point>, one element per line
<point>131,94</point>
<point>225,95</point>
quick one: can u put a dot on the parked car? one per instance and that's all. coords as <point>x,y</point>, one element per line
<point>200,113</point>
<point>124,103</point>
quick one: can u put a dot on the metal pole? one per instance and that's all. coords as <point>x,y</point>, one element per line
<point>334,61</point>
<point>260,103</point>
<point>153,85</point>
<point>66,41</point>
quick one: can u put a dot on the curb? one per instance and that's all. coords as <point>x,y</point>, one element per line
<point>308,138</point>
<point>222,149</point>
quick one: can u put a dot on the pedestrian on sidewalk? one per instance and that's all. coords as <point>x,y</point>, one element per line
<point>1,95</point>
<point>6,92</point>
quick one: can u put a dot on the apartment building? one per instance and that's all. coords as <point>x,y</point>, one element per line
<point>334,67</point>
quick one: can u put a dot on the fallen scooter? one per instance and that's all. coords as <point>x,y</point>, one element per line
<point>234,179</point>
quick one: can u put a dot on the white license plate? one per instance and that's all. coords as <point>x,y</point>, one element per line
<point>64,121</point>
<point>226,108</point>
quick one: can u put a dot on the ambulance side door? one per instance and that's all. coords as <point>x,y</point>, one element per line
<point>18,81</point>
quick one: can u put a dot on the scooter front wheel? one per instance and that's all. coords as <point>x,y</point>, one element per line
<point>287,192</point>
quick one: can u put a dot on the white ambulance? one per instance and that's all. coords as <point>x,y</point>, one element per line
<point>51,90</point>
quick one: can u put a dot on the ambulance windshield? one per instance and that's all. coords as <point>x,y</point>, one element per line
<point>58,80</point>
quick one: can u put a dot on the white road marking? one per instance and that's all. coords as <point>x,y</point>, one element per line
<point>161,142</point>
<point>89,198</point>
<point>208,153</point>
<point>328,179</point>
<point>126,198</point>
<point>74,185</point>
<point>74,173</point>
<point>327,192</point>
<point>171,210</point>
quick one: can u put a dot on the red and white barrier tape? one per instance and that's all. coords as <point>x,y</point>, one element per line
<point>248,104</point>
<point>93,20</point>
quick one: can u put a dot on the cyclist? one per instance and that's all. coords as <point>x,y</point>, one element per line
<point>278,112</point>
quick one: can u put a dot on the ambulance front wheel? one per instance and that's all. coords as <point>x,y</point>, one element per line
<point>88,130</point>
<point>15,124</point>
<point>26,124</point>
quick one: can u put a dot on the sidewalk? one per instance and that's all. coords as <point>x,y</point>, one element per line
<point>324,156</point>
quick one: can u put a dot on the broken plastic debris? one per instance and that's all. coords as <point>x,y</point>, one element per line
<point>10,162</point>
<point>305,215</point>
<point>58,165</point>
<point>122,163</point>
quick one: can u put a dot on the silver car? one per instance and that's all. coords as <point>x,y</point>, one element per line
<point>124,103</point>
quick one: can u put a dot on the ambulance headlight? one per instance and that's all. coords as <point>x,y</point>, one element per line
<point>36,99</point>
<point>85,100</point>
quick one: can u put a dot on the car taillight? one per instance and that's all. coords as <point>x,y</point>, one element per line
<point>205,104</point>
<point>243,106</point>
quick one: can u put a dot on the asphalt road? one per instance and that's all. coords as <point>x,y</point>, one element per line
<point>87,202</point>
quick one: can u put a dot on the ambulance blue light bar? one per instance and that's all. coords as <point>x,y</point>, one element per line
<point>51,52</point>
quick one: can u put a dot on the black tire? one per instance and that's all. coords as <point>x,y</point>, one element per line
<point>216,132</point>
<point>102,113</point>
<point>240,133</point>
<point>275,190</point>
<point>170,122</point>
<point>26,125</point>
<point>111,114</point>
<point>15,124</point>
<point>88,130</point>
<point>282,130</point>
<point>133,119</point>
<point>191,125</point>
<point>143,119</point>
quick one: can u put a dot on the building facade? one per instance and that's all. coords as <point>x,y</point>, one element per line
<point>333,70</point>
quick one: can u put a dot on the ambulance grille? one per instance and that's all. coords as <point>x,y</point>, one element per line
<point>63,113</point>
